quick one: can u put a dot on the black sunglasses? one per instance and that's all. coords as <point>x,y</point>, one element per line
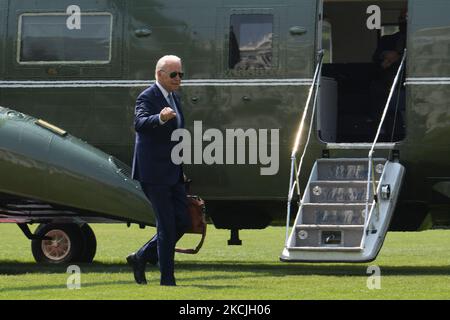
<point>174,74</point>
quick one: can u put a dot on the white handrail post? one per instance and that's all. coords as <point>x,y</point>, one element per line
<point>372,150</point>
<point>290,196</point>
<point>297,143</point>
<point>369,174</point>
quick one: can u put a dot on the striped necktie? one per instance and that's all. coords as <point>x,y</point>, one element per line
<point>173,105</point>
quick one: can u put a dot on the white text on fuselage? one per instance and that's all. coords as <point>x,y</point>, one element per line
<point>230,150</point>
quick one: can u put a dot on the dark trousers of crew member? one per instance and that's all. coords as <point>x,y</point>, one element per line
<point>172,218</point>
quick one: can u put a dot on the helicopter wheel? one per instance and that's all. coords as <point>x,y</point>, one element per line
<point>65,246</point>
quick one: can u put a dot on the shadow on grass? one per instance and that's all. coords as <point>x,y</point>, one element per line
<point>254,269</point>
<point>150,286</point>
<point>64,287</point>
<point>231,269</point>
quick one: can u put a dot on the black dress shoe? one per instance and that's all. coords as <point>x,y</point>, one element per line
<point>168,282</point>
<point>138,268</point>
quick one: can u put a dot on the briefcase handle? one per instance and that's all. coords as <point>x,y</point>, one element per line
<point>199,204</point>
<point>199,245</point>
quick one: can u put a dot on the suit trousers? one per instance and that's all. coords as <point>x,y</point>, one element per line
<point>172,221</point>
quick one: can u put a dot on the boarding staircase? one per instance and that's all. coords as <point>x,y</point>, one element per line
<point>334,221</point>
<point>346,207</point>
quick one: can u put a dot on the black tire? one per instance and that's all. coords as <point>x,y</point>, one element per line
<point>89,244</point>
<point>66,247</point>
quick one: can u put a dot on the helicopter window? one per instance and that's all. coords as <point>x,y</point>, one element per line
<point>250,42</point>
<point>46,38</point>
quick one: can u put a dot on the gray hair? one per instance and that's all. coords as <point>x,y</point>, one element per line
<point>164,61</point>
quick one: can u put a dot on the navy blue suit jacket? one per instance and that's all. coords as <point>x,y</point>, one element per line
<point>152,161</point>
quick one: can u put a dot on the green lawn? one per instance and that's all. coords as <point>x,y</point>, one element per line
<point>413,266</point>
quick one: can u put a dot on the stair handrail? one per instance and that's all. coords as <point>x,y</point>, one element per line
<point>295,171</point>
<point>371,173</point>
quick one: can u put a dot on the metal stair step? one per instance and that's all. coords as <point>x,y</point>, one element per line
<point>331,226</point>
<point>324,249</point>
<point>333,213</point>
<point>347,169</point>
<point>328,235</point>
<point>339,192</point>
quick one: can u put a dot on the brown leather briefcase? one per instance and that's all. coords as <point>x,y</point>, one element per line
<point>196,210</point>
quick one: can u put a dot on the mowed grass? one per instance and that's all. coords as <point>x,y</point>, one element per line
<point>413,266</point>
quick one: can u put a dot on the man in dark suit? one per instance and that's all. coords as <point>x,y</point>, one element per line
<point>389,51</point>
<point>387,58</point>
<point>158,113</point>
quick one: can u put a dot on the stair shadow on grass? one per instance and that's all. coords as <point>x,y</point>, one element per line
<point>282,270</point>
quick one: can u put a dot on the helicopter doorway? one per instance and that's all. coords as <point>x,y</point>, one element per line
<point>356,80</point>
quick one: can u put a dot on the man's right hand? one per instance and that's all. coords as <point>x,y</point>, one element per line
<point>390,57</point>
<point>166,114</point>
